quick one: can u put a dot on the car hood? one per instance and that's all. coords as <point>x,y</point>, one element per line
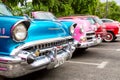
<point>45,29</point>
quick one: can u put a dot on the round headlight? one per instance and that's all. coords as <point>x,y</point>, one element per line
<point>72,29</point>
<point>19,32</point>
<point>83,39</point>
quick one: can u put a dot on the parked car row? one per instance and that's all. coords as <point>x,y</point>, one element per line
<point>84,33</point>
<point>44,41</point>
<point>28,45</point>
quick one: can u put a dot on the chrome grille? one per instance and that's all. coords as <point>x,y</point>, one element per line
<point>90,35</point>
<point>49,44</point>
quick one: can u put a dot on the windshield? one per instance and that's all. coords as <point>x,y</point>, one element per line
<point>99,21</point>
<point>91,20</point>
<point>44,15</point>
<point>51,16</point>
<point>4,10</point>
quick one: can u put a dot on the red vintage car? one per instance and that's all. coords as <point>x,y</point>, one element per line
<point>100,27</point>
<point>113,29</point>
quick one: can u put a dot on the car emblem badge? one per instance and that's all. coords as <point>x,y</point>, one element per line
<point>37,52</point>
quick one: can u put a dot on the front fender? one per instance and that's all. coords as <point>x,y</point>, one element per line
<point>67,25</point>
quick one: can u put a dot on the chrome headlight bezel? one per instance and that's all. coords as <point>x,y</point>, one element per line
<point>81,28</point>
<point>72,28</point>
<point>19,32</point>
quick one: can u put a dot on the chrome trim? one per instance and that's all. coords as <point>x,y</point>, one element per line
<point>8,59</point>
<point>54,28</point>
<point>90,35</point>
<point>27,45</point>
<point>4,36</point>
<point>19,22</point>
<point>93,42</point>
<point>70,28</point>
<point>55,57</point>
<point>118,35</point>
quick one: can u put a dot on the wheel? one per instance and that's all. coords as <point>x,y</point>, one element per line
<point>109,37</point>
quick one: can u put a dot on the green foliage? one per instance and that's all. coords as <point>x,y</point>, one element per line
<point>112,11</point>
<point>66,7</point>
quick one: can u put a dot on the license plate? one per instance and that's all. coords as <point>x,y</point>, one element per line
<point>60,61</point>
<point>95,42</point>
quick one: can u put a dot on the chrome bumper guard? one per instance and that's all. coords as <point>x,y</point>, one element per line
<point>18,66</point>
<point>93,42</point>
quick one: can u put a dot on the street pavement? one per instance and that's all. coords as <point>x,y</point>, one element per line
<point>101,62</point>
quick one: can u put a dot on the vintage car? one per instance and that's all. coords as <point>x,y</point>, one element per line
<point>113,29</point>
<point>29,45</point>
<point>110,20</point>
<point>84,34</point>
<point>95,20</point>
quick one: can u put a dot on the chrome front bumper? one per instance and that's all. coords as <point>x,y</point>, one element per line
<point>17,66</point>
<point>118,35</point>
<point>90,43</point>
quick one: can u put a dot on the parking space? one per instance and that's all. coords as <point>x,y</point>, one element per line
<point>100,62</point>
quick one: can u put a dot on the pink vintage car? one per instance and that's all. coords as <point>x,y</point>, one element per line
<point>84,33</point>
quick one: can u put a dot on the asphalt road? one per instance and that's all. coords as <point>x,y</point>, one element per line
<point>100,62</point>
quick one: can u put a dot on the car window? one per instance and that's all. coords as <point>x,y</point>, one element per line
<point>107,20</point>
<point>4,10</point>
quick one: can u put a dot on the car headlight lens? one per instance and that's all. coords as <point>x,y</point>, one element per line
<point>83,39</point>
<point>19,32</point>
<point>72,29</point>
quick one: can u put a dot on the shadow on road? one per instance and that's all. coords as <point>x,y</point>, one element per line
<point>33,76</point>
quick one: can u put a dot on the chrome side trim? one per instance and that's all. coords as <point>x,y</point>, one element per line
<point>54,28</point>
<point>4,36</point>
<point>8,59</point>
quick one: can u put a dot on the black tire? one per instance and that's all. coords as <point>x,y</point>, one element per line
<point>110,37</point>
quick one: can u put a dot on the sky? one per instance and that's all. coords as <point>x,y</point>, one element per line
<point>117,1</point>
<point>29,0</point>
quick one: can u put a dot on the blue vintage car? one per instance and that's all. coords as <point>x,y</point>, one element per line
<point>28,45</point>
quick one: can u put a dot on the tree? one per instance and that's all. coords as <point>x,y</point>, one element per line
<point>84,6</point>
